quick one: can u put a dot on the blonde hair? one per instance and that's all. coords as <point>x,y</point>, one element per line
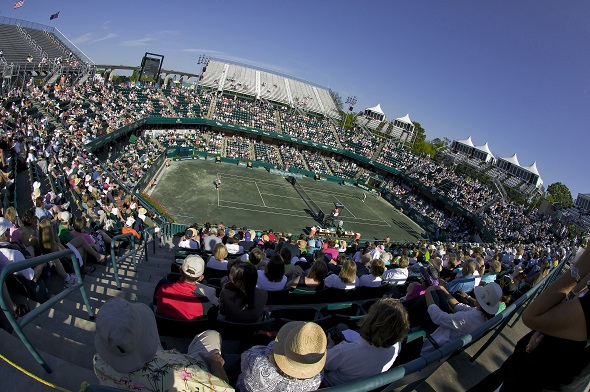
<point>10,214</point>
<point>220,252</point>
<point>348,272</point>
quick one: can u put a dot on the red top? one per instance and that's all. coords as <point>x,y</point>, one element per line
<point>178,301</point>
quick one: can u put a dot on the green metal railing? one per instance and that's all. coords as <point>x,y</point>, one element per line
<point>132,251</point>
<point>19,324</point>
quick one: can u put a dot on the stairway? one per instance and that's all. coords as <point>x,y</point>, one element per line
<point>64,335</point>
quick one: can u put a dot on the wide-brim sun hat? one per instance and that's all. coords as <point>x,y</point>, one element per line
<point>300,349</point>
<point>488,297</point>
<point>126,335</point>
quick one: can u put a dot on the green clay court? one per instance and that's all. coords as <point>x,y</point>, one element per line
<point>260,200</point>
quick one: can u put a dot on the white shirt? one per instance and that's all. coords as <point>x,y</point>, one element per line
<point>265,284</point>
<point>188,244</point>
<point>350,361</point>
<point>453,325</point>
<point>335,282</point>
<point>397,276</point>
<point>9,255</point>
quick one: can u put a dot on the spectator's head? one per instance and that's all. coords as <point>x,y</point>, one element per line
<point>39,202</point>
<point>243,276</point>
<point>5,226</point>
<point>488,298</point>
<point>193,268</point>
<point>318,270</point>
<point>404,261</point>
<point>275,268</point>
<point>220,252</point>
<point>286,254</point>
<point>495,267</point>
<point>469,268</point>
<point>331,243</point>
<point>366,259</point>
<point>386,323</point>
<point>10,214</point>
<point>64,218</point>
<point>126,335</point>
<point>348,271</point>
<point>29,219</point>
<point>79,224</point>
<point>255,256</point>
<point>377,267</point>
<point>188,234</point>
<point>300,349</point>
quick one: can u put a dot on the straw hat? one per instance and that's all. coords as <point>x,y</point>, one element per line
<point>300,349</point>
<point>126,335</point>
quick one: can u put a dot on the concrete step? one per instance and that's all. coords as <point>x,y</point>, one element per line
<point>79,329</point>
<point>61,346</point>
<point>65,373</point>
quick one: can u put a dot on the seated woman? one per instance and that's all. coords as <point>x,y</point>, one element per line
<point>493,271</point>
<point>374,347</point>
<point>48,244</point>
<point>292,362</point>
<point>240,300</point>
<point>315,276</point>
<point>97,241</point>
<point>331,249</point>
<point>346,279</point>
<point>374,278</point>
<point>273,277</point>
<point>399,274</point>
<point>218,258</point>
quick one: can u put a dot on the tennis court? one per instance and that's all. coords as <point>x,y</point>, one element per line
<point>260,200</point>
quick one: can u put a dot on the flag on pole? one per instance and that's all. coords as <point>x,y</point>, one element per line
<point>19,4</point>
<point>54,16</point>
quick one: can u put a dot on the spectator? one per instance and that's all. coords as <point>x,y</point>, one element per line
<point>240,300</point>
<point>218,260</point>
<point>346,279</point>
<point>273,277</point>
<point>189,241</point>
<point>374,278</point>
<point>293,362</point>
<point>371,350</point>
<point>129,354</point>
<point>316,275</point>
<point>466,282</point>
<point>453,319</point>
<point>399,274</point>
<point>186,299</point>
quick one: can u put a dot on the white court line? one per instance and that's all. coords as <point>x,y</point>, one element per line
<point>383,220</point>
<point>262,198</point>
<point>291,215</point>
<point>346,208</point>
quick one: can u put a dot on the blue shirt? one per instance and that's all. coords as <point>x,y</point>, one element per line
<point>466,284</point>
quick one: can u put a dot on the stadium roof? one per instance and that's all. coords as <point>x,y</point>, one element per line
<point>376,109</point>
<point>467,142</point>
<point>485,148</point>
<point>405,119</point>
<point>532,168</point>
<point>513,159</point>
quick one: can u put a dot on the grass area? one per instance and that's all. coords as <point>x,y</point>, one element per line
<point>260,200</point>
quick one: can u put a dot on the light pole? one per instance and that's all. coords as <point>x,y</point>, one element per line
<point>203,59</point>
<point>351,101</point>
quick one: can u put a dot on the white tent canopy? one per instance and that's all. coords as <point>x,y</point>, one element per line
<point>467,142</point>
<point>485,148</point>
<point>532,168</point>
<point>376,109</point>
<point>405,119</point>
<point>513,159</point>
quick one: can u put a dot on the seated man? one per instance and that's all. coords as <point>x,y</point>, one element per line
<point>466,282</point>
<point>186,299</point>
<point>129,354</point>
<point>453,319</point>
<point>189,241</point>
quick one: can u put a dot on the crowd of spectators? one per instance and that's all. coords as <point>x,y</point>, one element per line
<point>249,113</point>
<point>292,157</point>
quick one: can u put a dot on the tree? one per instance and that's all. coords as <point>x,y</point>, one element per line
<point>420,140</point>
<point>560,194</point>
<point>337,100</point>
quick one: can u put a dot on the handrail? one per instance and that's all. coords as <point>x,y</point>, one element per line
<point>147,233</point>
<point>114,260</point>
<point>18,325</point>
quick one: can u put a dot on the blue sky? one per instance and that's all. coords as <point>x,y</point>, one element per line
<point>514,74</point>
